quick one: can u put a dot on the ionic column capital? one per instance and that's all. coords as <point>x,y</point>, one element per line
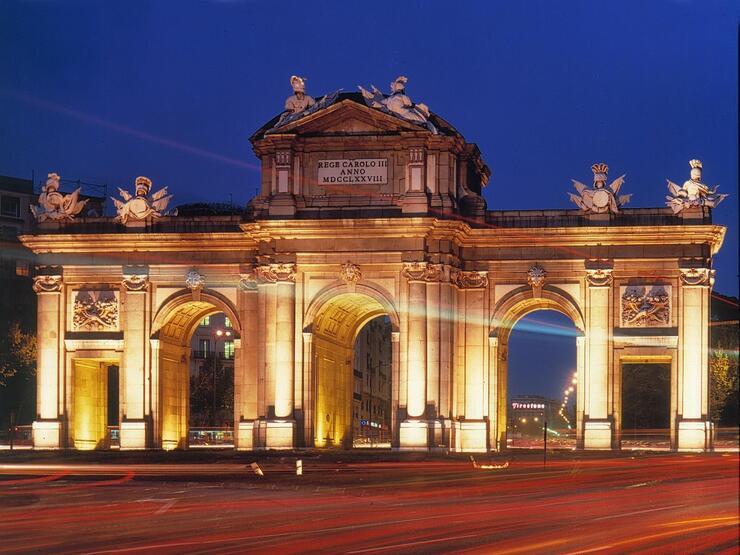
<point>275,273</point>
<point>49,283</point>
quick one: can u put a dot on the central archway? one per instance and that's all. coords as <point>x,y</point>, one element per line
<point>174,327</point>
<point>337,319</point>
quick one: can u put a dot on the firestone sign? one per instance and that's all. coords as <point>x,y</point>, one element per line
<point>365,171</point>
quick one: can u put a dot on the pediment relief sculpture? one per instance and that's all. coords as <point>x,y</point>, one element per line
<point>56,206</point>
<point>693,192</point>
<point>95,311</point>
<point>601,199</point>
<point>141,205</point>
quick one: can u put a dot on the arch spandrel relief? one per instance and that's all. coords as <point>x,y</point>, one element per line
<point>371,205</point>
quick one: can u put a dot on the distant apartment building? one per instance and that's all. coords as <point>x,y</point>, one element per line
<point>371,401</point>
<point>212,372</point>
<point>16,197</point>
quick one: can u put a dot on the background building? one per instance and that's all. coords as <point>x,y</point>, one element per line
<point>371,398</point>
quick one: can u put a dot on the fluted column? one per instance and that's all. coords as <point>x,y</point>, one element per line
<point>47,428</point>
<point>245,363</point>
<point>133,429</point>
<point>694,428</point>
<point>473,429</point>
<point>413,430</point>
<point>597,424</point>
<point>277,282</point>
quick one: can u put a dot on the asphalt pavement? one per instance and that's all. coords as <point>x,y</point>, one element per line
<point>361,502</point>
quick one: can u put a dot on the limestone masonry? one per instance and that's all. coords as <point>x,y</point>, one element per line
<point>370,205</point>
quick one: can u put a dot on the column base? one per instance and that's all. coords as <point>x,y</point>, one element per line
<point>280,434</point>
<point>597,434</point>
<point>245,436</point>
<point>694,435</point>
<point>47,434</point>
<point>413,435</point>
<point>470,436</point>
<point>133,435</point>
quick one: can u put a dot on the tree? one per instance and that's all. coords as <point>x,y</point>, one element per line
<point>722,384</point>
<point>17,370</point>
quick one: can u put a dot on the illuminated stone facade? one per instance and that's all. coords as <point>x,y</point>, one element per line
<point>320,252</point>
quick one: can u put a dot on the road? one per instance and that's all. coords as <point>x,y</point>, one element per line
<point>664,503</point>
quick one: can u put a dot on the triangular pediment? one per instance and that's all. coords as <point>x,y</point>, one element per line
<point>348,116</point>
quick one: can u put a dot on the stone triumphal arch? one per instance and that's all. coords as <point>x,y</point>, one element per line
<point>370,205</point>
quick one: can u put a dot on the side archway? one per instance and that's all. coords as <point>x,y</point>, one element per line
<point>512,308</point>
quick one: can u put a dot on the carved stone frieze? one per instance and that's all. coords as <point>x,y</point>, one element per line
<point>697,276</point>
<point>646,306</point>
<point>47,284</point>
<point>95,311</point>
<point>350,273</point>
<point>423,271</point>
<point>469,279</point>
<point>274,273</point>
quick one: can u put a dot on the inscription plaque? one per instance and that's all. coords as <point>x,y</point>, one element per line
<point>364,171</point>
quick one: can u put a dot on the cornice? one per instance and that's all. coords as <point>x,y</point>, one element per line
<point>461,233</point>
<point>136,242</point>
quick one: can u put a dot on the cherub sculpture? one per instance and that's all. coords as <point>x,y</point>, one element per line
<point>54,205</point>
<point>142,205</point>
<point>601,199</point>
<point>398,103</point>
<point>693,192</point>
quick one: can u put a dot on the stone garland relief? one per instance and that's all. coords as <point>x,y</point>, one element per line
<point>95,311</point>
<point>645,306</point>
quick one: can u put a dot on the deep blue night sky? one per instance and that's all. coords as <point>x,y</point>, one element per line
<point>173,90</point>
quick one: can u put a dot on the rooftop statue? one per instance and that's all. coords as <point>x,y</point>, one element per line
<point>398,103</point>
<point>142,205</point>
<point>54,205</point>
<point>299,104</point>
<point>693,192</point>
<point>601,199</point>
<point>300,101</point>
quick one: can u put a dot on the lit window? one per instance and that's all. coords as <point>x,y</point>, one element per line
<point>206,321</point>
<point>204,345</point>
<point>21,269</point>
<point>228,349</point>
<point>10,206</point>
<point>227,322</point>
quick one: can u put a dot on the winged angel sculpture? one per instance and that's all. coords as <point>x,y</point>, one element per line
<point>142,205</point>
<point>693,192</point>
<point>56,206</point>
<point>601,199</point>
